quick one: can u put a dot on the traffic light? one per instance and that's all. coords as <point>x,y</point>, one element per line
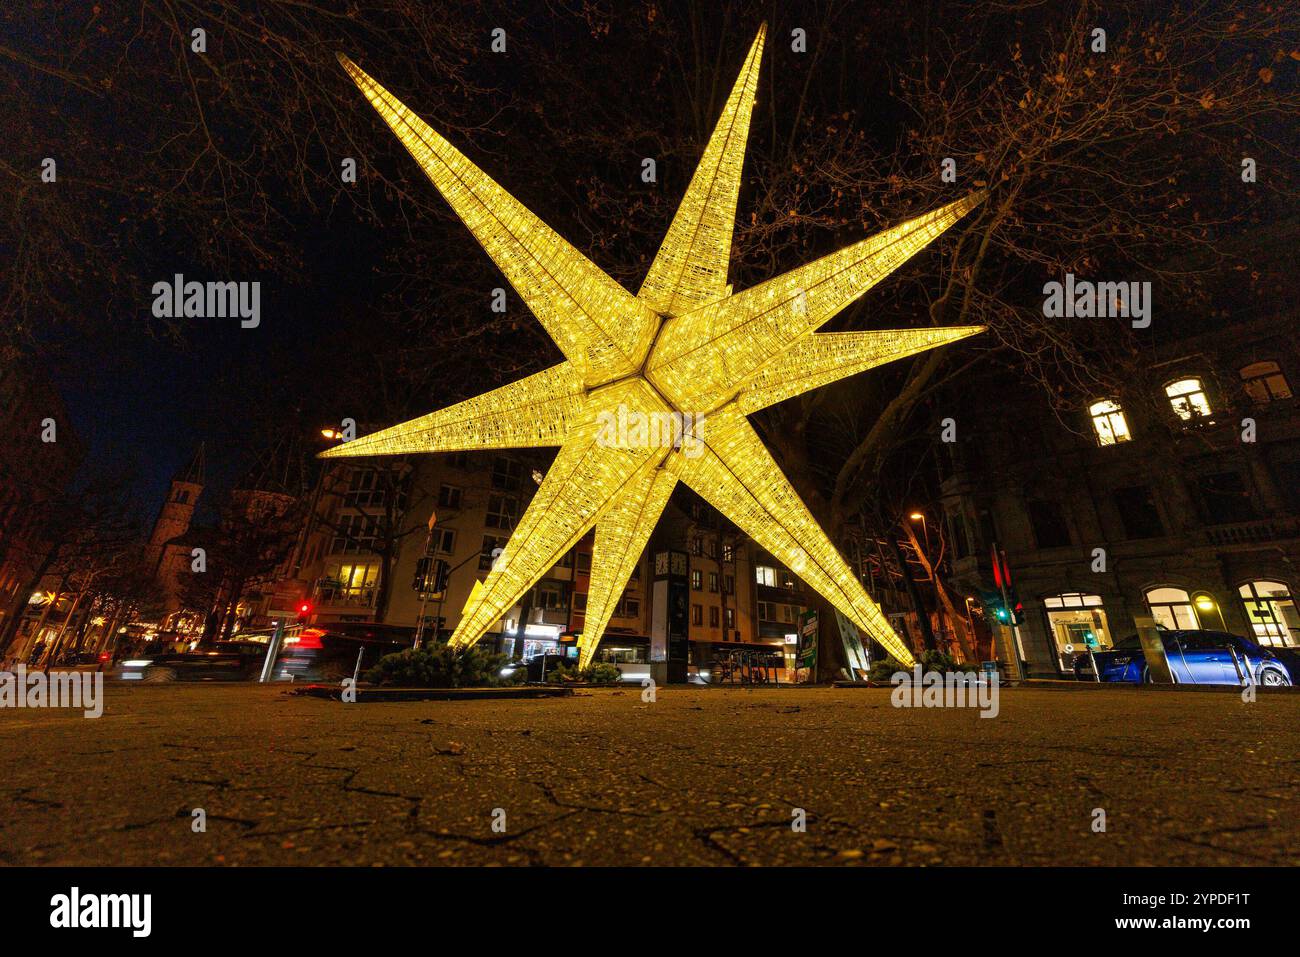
<point>1009,609</point>
<point>421,579</point>
<point>431,576</point>
<point>304,612</point>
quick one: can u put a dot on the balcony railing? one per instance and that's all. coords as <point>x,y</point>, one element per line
<point>347,598</point>
<point>1251,533</point>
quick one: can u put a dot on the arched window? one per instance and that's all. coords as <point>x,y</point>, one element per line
<point>1264,382</point>
<point>1108,422</point>
<point>1187,396</point>
<point>1271,611</point>
<point>1078,623</point>
<point>1172,608</point>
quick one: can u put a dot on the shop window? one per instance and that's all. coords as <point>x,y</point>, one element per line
<point>1172,608</point>
<point>1188,400</point>
<point>1271,611</point>
<point>1078,624</point>
<point>1226,498</point>
<point>1137,512</point>
<point>1048,522</point>
<point>1264,382</point>
<point>1108,422</point>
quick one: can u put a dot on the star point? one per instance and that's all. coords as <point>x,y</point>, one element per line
<point>685,345</point>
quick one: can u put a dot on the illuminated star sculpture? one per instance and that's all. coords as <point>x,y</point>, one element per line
<point>683,348</point>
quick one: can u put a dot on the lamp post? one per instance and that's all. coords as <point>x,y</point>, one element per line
<point>424,585</point>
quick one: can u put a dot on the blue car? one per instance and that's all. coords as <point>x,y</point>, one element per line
<point>1201,658</point>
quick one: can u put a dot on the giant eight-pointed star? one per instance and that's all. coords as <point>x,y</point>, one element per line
<point>684,344</point>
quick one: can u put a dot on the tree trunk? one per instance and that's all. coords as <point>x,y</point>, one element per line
<point>923,618</point>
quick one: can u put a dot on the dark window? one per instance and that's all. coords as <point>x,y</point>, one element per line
<point>506,474</point>
<point>485,557</point>
<point>697,614</point>
<point>1226,498</point>
<point>501,512</point>
<point>1050,529</point>
<point>1265,382</point>
<point>713,617</point>
<point>1137,510</point>
<point>959,535</point>
<point>448,496</point>
<point>1287,476</point>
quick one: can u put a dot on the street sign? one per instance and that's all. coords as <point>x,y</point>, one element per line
<point>808,638</point>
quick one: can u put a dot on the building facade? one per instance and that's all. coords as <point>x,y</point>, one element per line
<point>739,598</point>
<point>1177,499</point>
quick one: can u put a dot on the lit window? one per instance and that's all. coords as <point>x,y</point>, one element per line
<point>1172,608</point>
<point>697,579</point>
<point>1108,422</point>
<point>1272,613</point>
<point>1264,382</point>
<point>765,575</point>
<point>1187,396</point>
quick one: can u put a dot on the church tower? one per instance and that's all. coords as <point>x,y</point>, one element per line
<point>176,512</point>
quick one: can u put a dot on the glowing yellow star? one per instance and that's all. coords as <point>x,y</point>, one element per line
<point>684,355</point>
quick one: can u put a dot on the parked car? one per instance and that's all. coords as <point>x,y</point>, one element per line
<point>225,661</point>
<point>1200,657</point>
